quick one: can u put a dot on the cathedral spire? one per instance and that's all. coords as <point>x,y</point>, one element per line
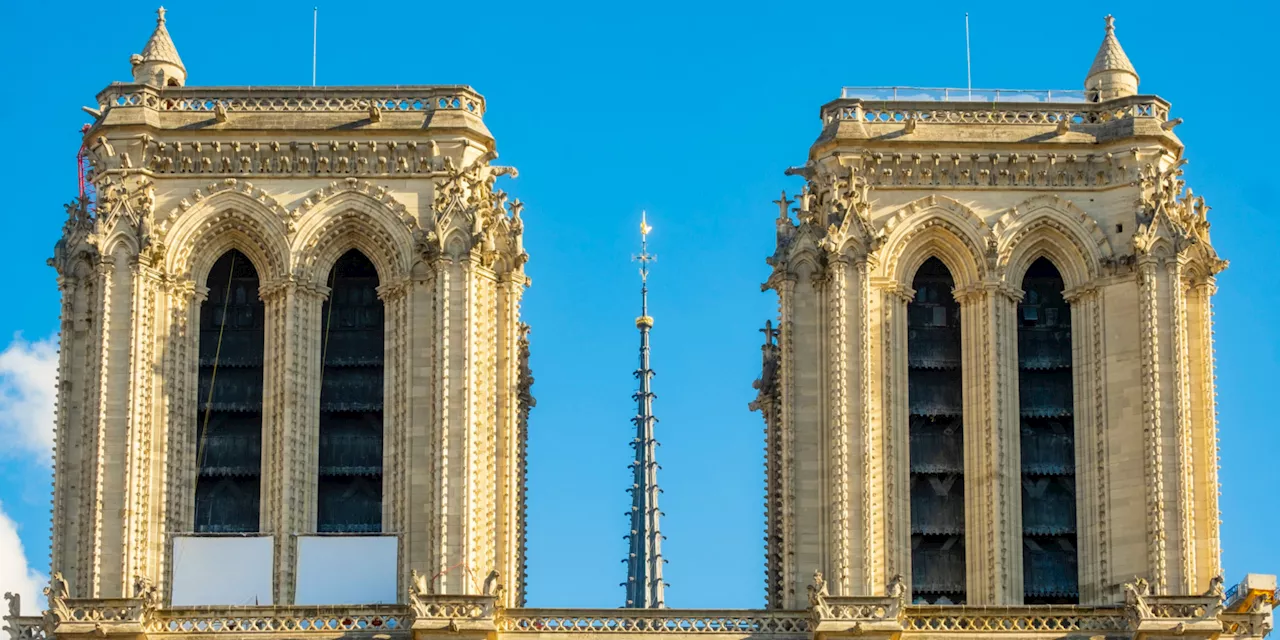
<point>644,561</point>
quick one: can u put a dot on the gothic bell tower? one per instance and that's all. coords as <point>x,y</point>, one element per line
<point>290,313</point>
<point>992,378</point>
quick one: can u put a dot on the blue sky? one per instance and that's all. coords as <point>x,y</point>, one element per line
<point>690,111</point>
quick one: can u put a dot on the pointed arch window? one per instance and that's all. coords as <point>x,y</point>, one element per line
<point>936,434</point>
<point>350,484</point>
<point>1046,406</point>
<point>229,419</point>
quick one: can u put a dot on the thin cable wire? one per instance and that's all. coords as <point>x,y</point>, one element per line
<point>213,376</point>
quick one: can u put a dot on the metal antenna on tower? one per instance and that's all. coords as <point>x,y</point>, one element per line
<point>968,61</point>
<point>315,23</point>
<point>644,561</point>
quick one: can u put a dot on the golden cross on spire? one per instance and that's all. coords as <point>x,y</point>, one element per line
<point>644,258</point>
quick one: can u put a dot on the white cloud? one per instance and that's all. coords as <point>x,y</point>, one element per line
<point>16,574</point>
<point>28,376</point>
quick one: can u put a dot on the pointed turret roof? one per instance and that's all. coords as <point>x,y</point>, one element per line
<point>1111,56</point>
<point>160,47</point>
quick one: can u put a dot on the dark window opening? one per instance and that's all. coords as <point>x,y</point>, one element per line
<point>229,397</point>
<point>1046,406</point>
<point>349,492</point>
<point>936,433</point>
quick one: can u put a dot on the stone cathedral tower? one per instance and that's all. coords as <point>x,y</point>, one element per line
<point>294,383</point>
<point>993,374</point>
<point>290,311</point>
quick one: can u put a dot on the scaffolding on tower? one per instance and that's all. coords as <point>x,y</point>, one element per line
<point>88,193</point>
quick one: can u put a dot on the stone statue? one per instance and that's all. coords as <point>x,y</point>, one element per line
<point>145,590</point>
<point>1216,588</point>
<point>1135,596</point>
<point>897,588</point>
<point>818,593</point>
<point>489,582</point>
<point>56,593</point>
<point>417,582</point>
<point>417,588</point>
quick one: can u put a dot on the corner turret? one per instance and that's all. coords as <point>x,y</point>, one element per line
<point>159,64</point>
<point>1112,75</point>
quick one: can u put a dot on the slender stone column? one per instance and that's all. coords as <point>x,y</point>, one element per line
<point>1204,427</point>
<point>143,486</point>
<point>1002,303</point>
<point>182,357</point>
<point>510,437</point>
<point>993,517</point>
<point>862,394</point>
<point>1092,499</point>
<point>291,422</point>
<point>1182,429</point>
<point>1153,450</point>
<point>894,297</point>
<point>841,514</point>
<point>424,455</point>
<point>108,553</point>
<point>395,430</point>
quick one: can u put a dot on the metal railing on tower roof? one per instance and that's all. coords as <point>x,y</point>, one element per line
<point>943,94</point>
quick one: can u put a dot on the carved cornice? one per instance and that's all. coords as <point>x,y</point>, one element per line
<point>298,159</point>
<point>1046,171</point>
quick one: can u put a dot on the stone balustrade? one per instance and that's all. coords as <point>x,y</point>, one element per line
<point>899,112</point>
<point>477,616</point>
<point>293,99</point>
<point>657,621</point>
<point>280,620</point>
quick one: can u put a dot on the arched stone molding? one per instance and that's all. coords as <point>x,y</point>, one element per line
<point>376,195</point>
<point>229,219</point>
<point>936,226</point>
<point>1050,227</point>
<point>353,215</point>
<point>230,185</point>
<point>119,237</point>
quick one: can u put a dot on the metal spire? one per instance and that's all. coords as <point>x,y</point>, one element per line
<point>644,563</point>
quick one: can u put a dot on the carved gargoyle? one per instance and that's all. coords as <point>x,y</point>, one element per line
<point>56,594</point>
<point>12,625</point>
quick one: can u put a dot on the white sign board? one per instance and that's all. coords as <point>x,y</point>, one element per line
<point>346,570</point>
<point>222,570</point>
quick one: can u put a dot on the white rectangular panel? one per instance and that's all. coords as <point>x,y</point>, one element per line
<point>222,570</point>
<point>346,570</point>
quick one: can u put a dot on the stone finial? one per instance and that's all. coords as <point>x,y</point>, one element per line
<point>1112,75</point>
<point>159,63</point>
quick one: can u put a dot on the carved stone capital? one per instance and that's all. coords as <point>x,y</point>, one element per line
<point>1081,293</point>
<point>393,290</point>
<point>894,289</point>
<point>978,292</point>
